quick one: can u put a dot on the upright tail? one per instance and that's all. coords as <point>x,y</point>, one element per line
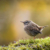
<point>44,26</point>
<point>41,28</point>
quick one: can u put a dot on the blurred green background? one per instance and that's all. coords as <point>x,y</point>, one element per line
<point>14,11</point>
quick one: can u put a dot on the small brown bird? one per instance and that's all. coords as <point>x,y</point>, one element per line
<point>32,28</point>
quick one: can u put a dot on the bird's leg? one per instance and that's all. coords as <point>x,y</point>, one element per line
<point>34,37</point>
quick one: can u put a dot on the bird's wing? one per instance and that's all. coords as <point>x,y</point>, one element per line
<point>33,29</point>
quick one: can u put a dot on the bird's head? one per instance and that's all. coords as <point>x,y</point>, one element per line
<point>26,22</point>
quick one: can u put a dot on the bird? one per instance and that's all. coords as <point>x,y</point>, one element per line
<point>31,28</point>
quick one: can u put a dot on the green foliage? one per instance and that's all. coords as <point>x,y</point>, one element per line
<point>29,44</point>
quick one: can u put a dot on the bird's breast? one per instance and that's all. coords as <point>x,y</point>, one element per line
<point>29,32</point>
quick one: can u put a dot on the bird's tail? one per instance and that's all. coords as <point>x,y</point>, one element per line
<point>44,26</point>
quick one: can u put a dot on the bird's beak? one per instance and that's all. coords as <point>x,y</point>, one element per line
<point>22,21</point>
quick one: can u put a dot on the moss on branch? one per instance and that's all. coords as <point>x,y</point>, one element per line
<point>29,44</point>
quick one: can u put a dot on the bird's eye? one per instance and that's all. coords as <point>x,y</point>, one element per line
<point>26,22</point>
